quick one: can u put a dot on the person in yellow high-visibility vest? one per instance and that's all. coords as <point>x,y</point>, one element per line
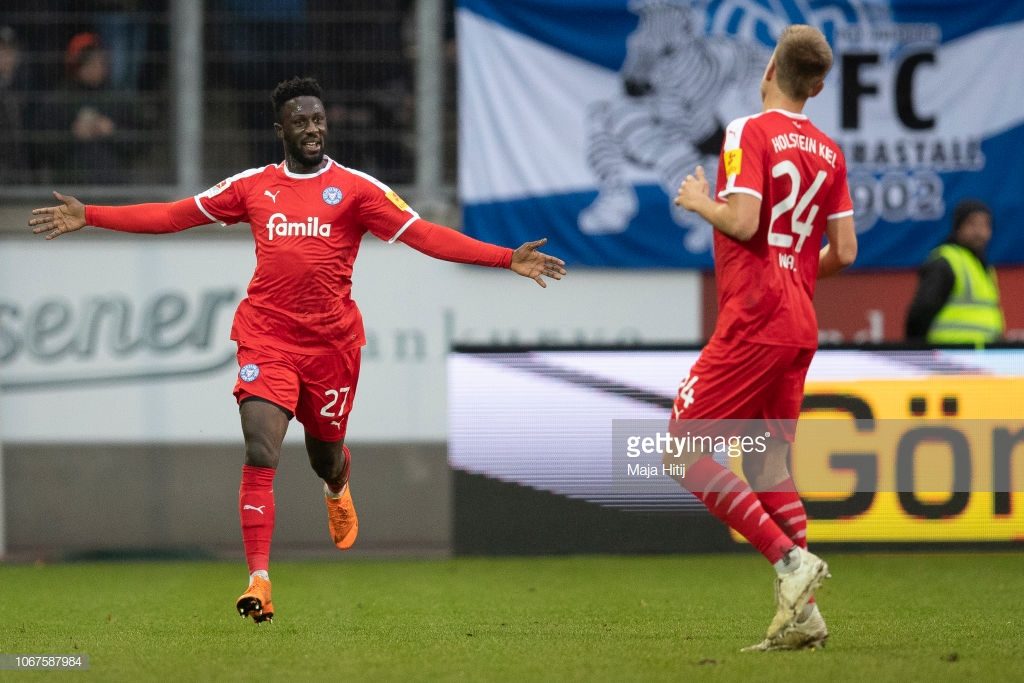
<point>957,298</point>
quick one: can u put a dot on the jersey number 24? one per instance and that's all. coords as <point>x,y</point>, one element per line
<point>800,226</point>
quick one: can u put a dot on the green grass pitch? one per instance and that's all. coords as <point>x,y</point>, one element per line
<point>909,617</point>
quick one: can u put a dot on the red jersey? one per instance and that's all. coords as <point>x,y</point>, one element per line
<point>307,229</point>
<point>766,285</point>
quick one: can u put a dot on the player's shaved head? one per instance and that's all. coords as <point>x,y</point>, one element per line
<point>292,88</point>
<point>802,60</point>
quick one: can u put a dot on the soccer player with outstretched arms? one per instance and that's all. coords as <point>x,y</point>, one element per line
<point>298,331</point>
<point>781,187</point>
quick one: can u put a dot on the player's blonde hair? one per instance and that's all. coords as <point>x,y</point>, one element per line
<point>802,60</point>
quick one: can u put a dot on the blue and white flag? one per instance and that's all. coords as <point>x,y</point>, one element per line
<point>579,118</point>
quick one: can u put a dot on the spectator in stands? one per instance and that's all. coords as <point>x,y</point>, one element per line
<point>957,299</point>
<point>124,32</point>
<point>96,117</point>
<point>14,82</point>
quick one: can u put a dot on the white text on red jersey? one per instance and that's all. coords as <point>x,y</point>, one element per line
<point>804,144</point>
<point>278,225</point>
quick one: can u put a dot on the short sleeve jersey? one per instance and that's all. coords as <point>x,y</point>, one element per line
<point>307,229</point>
<point>766,285</point>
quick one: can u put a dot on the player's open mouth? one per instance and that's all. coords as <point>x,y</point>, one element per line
<point>311,146</point>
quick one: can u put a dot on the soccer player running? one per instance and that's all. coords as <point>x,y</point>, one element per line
<point>299,333</point>
<point>781,186</point>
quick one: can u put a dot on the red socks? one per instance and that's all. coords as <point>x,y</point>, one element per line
<point>256,511</point>
<point>732,500</point>
<point>335,487</point>
<point>783,503</point>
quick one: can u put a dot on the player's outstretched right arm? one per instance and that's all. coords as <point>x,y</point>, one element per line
<point>68,216</point>
<point>71,215</point>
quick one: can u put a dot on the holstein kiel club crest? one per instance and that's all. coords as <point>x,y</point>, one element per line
<point>331,195</point>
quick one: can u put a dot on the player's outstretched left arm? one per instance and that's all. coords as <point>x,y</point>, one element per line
<point>536,265</point>
<point>444,243</point>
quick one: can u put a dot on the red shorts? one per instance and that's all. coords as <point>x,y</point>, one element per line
<point>317,390</point>
<point>747,382</point>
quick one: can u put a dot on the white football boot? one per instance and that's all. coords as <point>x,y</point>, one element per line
<point>809,632</point>
<point>794,588</point>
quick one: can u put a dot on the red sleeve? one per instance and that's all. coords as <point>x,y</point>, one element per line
<point>741,165</point>
<point>382,211</point>
<point>451,245</point>
<point>149,218</point>
<point>225,201</point>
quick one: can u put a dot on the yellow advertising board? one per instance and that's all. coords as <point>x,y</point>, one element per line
<point>934,459</point>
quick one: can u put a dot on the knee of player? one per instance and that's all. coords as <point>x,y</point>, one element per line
<point>261,453</point>
<point>752,468</point>
<point>327,470</point>
<point>766,470</point>
<point>327,458</point>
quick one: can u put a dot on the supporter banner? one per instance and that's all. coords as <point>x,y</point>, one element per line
<point>580,118</point>
<point>872,307</point>
<point>126,339</point>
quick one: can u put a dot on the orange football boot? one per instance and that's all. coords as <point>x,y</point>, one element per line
<point>255,602</point>
<point>341,517</point>
<point>266,615</point>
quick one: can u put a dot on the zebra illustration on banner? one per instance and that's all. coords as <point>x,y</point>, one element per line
<point>666,118</point>
<point>583,116</point>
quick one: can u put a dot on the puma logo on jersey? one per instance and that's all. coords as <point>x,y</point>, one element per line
<point>279,226</point>
<point>272,195</point>
<point>336,423</point>
<point>253,507</point>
